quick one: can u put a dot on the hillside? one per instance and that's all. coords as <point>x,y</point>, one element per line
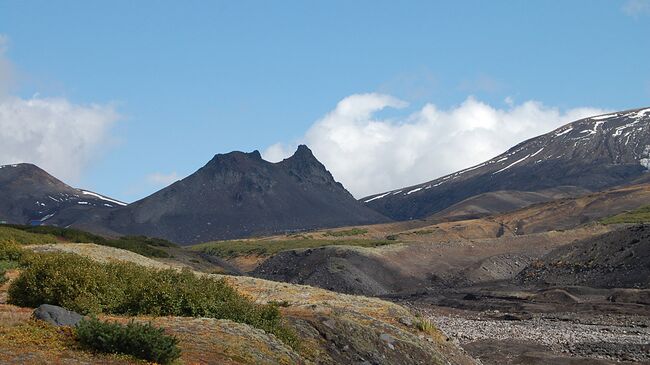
<point>239,195</point>
<point>503,201</point>
<point>432,253</point>
<point>28,193</point>
<point>333,328</point>
<point>593,154</point>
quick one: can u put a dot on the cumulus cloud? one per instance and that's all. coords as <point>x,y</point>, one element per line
<point>369,154</point>
<point>53,133</point>
<point>162,179</point>
<point>636,8</point>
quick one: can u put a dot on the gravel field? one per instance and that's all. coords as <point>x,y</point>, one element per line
<point>610,337</point>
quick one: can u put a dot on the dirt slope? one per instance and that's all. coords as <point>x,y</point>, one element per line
<point>619,259</point>
<point>504,201</point>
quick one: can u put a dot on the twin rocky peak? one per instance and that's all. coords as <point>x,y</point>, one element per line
<point>234,195</point>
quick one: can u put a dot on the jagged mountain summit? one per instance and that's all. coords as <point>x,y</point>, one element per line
<point>591,153</point>
<point>28,194</point>
<point>240,195</point>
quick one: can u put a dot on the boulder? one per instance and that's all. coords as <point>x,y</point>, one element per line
<point>57,316</point>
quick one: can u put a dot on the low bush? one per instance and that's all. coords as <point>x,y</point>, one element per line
<point>10,256</point>
<point>641,215</point>
<point>143,341</point>
<point>142,245</point>
<point>11,252</point>
<point>66,234</point>
<point>9,234</point>
<point>139,245</point>
<point>86,286</point>
<point>347,232</point>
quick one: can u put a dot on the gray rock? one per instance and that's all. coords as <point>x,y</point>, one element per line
<point>406,321</point>
<point>57,316</point>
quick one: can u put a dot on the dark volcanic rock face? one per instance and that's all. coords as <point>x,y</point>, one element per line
<point>340,269</point>
<point>619,259</point>
<point>28,193</point>
<point>592,153</point>
<point>240,194</point>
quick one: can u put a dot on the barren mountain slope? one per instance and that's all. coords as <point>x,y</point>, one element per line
<point>240,194</point>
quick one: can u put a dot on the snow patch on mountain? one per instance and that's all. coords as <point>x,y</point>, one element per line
<point>103,197</point>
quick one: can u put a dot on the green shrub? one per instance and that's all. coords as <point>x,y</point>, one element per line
<point>10,256</point>
<point>347,232</point>
<point>9,234</point>
<point>11,252</point>
<point>142,245</point>
<point>66,234</point>
<point>423,232</point>
<point>86,286</point>
<point>138,245</point>
<point>641,215</point>
<point>143,341</point>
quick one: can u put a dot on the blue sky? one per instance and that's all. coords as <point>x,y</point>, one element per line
<point>193,78</point>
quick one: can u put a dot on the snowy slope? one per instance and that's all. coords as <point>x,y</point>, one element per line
<point>591,153</point>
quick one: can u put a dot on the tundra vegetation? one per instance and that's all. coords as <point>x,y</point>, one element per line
<point>28,235</point>
<point>143,341</point>
<point>89,287</point>
<point>641,215</point>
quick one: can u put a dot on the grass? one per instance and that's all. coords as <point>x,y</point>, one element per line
<point>29,235</point>
<point>41,342</point>
<point>422,232</point>
<point>9,234</point>
<point>346,233</point>
<point>4,266</point>
<point>425,325</point>
<point>641,215</point>
<point>230,249</point>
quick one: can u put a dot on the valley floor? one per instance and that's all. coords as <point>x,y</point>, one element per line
<point>602,335</point>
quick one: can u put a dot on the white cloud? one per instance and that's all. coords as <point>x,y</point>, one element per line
<point>636,8</point>
<point>53,133</point>
<point>370,155</point>
<point>161,179</point>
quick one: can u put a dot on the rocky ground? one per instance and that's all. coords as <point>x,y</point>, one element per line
<point>523,337</point>
<point>538,328</point>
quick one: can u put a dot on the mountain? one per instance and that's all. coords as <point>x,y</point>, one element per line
<point>29,194</point>
<point>592,153</point>
<point>240,195</point>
